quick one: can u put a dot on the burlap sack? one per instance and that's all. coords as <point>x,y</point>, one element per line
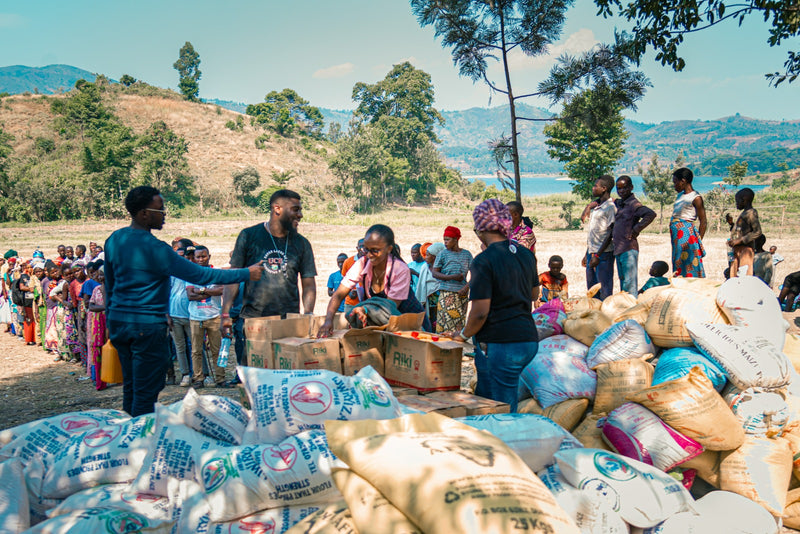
<point>672,309</point>
<point>618,379</point>
<point>637,312</point>
<point>791,512</point>
<point>567,414</point>
<point>617,303</point>
<point>585,326</point>
<point>530,406</point>
<point>456,480</point>
<point>590,433</point>
<point>692,406</point>
<point>581,304</point>
<point>650,295</point>
<point>760,470</point>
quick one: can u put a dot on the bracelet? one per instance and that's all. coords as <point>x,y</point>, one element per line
<point>463,336</point>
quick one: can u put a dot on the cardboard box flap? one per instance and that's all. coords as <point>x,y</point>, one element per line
<point>441,342</point>
<point>294,341</point>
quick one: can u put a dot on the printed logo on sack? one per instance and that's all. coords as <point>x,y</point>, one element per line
<point>214,474</point>
<point>601,491</point>
<point>310,398</point>
<point>75,423</point>
<point>280,457</point>
<point>125,522</point>
<point>612,467</point>
<point>255,527</point>
<point>101,436</point>
<point>139,497</point>
<point>374,394</point>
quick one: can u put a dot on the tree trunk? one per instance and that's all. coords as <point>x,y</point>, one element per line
<point>512,110</point>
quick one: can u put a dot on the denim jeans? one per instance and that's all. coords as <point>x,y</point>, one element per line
<point>603,273</point>
<point>144,355</point>
<point>238,339</point>
<point>499,366</point>
<point>628,271</point>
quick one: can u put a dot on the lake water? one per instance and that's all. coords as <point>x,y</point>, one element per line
<point>534,186</point>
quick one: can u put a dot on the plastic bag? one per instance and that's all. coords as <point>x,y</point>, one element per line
<point>676,363</point>
<point>621,341</point>
<point>555,376</point>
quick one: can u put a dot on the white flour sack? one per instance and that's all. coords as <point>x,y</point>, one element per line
<point>239,481</point>
<point>593,512</point>
<point>105,455</point>
<point>676,363</point>
<point>47,436</point>
<point>70,423</point>
<point>102,521</point>
<point>534,438</point>
<point>215,416</point>
<point>287,402</point>
<point>118,496</point>
<point>173,455</point>
<point>462,480</point>
<point>15,513</point>
<point>762,413</point>
<point>636,432</point>
<point>748,301</point>
<point>556,355</point>
<point>748,358</point>
<point>672,309</point>
<point>335,518</point>
<point>646,495</point>
<point>622,341</point>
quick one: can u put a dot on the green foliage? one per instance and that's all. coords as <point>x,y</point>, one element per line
<point>588,138</point>
<point>287,113</point>
<point>263,198</point>
<point>261,141</point>
<point>44,145</point>
<point>245,182</point>
<point>661,25</point>
<point>230,125</point>
<point>161,155</point>
<point>188,67</point>
<point>82,113</point>
<point>5,151</point>
<point>658,186</point>
<point>503,195</point>
<point>127,80</point>
<point>758,162</point>
<point>572,223</point>
<point>718,201</point>
<point>334,132</point>
<point>784,180</point>
<point>736,171</point>
<point>281,177</point>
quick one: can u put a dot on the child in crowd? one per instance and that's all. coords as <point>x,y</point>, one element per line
<point>335,278</point>
<point>746,231</point>
<point>657,278</point>
<point>553,282</point>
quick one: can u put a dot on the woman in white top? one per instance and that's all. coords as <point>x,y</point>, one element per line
<point>687,241</point>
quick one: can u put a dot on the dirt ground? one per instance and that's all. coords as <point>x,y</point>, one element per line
<point>32,386</point>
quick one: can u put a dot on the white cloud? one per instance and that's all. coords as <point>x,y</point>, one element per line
<point>336,71</point>
<point>10,20</point>
<point>580,41</point>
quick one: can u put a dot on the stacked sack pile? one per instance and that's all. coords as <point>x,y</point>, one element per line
<point>687,383</point>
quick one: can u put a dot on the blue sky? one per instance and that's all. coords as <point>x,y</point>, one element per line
<point>321,48</point>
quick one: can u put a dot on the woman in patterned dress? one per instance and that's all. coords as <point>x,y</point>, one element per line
<point>687,241</point>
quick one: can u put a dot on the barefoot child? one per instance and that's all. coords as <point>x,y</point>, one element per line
<point>554,282</point>
<point>747,230</point>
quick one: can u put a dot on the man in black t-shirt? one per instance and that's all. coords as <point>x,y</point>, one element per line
<point>285,255</point>
<point>503,285</point>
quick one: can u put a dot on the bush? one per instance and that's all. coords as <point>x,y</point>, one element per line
<point>230,125</point>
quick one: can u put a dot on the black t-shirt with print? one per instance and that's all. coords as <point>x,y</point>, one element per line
<point>505,273</point>
<point>276,293</point>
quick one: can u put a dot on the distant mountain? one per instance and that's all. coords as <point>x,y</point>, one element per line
<point>47,80</point>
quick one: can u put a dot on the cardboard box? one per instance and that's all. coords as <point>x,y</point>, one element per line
<point>474,404</point>
<point>429,404</point>
<point>423,365</point>
<point>402,392</point>
<point>259,353</point>
<point>355,344</point>
<point>274,327</point>
<point>305,353</point>
<point>339,323</point>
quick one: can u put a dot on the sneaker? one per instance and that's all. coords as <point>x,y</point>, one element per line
<point>209,382</point>
<point>186,381</point>
<point>199,384</point>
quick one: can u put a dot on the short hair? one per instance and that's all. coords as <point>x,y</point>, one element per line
<point>198,248</point>
<point>660,268</point>
<point>746,193</point>
<point>66,266</point>
<point>607,181</point>
<point>625,178</point>
<point>282,193</point>
<point>416,245</point>
<point>683,174</point>
<point>91,266</point>
<point>50,264</point>
<point>342,255</point>
<point>138,198</point>
<point>80,247</point>
<point>185,243</point>
<point>98,264</point>
<point>517,206</point>
<point>555,258</point>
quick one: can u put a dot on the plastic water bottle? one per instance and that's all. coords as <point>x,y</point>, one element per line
<point>224,352</point>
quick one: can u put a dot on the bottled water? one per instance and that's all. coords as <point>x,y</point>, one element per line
<point>224,352</point>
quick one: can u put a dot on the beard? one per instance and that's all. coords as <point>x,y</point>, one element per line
<point>286,224</point>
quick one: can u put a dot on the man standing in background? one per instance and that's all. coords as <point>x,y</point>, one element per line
<point>632,217</point>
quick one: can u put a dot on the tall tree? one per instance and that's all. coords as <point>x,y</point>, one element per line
<point>287,112</point>
<point>188,67</point>
<point>479,30</point>
<point>736,173</point>
<point>162,163</point>
<point>662,24</point>
<point>588,138</point>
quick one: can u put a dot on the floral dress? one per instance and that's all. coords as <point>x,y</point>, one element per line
<point>96,336</point>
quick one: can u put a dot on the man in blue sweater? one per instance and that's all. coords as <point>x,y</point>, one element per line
<point>138,268</point>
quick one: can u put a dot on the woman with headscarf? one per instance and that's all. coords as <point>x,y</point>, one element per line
<point>450,269</point>
<point>520,231</point>
<point>27,284</point>
<point>382,274</point>
<point>503,285</point>
<point>427,292</point>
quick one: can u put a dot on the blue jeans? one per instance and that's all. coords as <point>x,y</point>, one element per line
<point>628,271</point>
<point>144,355</point>
<point>238,339</point>
<point>499,366</point>
<point>603,273</point>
